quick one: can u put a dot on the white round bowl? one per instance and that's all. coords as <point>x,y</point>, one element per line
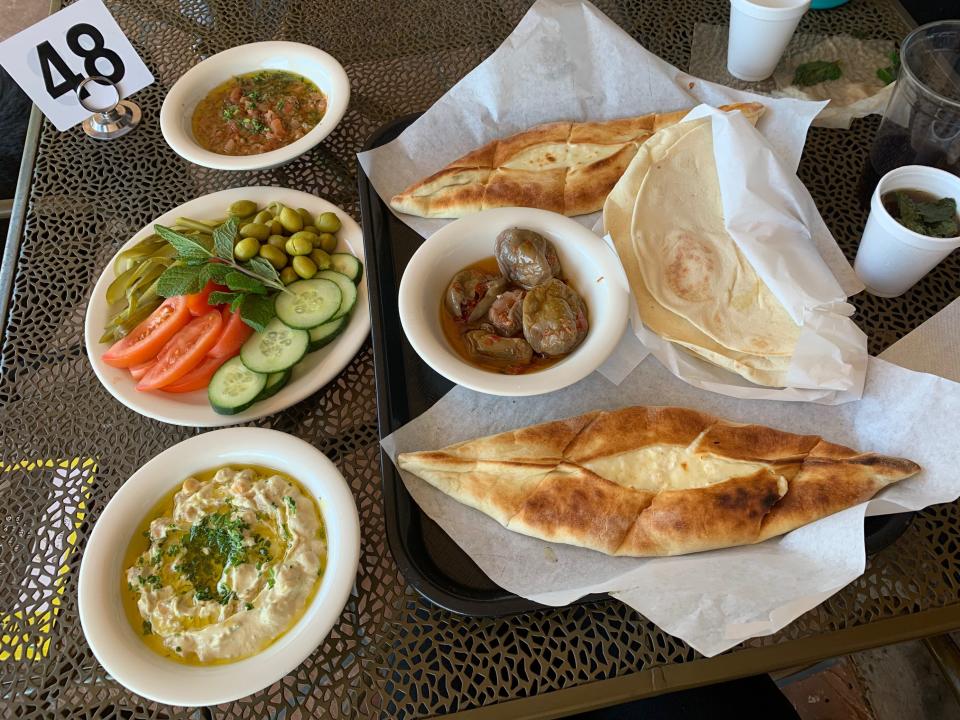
<point>592,267</point>
<point>322,69</point>
<point>117,646</point>
<point>309,375</point>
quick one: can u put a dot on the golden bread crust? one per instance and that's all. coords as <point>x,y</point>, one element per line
<point>566,167</point>
<point>535,480</point>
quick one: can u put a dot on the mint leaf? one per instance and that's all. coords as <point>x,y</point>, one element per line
<point>244,283</point>
<point>180,280</point>
<point>235,304</point>
<point>256,311</point>
<point>224,237</point>
<point>186,247</point>
<point>217,272</point>
<point>219,298</point>
<point>259,266</point>
<point>818,71</point>
<point>889,74</point>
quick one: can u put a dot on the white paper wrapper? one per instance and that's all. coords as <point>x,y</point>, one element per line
<point>775,223</point>
<point>711,600</point>
<point>565,61</point>
<point>857,93</point>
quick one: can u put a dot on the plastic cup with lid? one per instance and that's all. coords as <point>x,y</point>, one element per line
<point>892,258</point>
<point>759,33</point>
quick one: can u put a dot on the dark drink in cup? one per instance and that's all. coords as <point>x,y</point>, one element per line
<point>921,124</point>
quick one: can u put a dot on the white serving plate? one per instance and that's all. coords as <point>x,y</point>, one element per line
<point>309,375</point>
<point>322,69</point>
<point>591,266</point>
<point>117,646</point>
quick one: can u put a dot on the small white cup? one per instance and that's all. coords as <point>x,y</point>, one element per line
<point>759,33</point>
<point>891,257</point>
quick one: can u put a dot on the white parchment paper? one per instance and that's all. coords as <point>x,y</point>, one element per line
<point>566,60</point>
<point>772,218</point>
<point>857,93</point>
<point>711,600</point>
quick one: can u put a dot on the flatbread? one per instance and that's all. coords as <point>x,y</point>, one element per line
<point>646,481</point>
<point>566,167</point>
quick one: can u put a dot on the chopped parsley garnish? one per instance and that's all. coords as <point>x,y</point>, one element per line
<point>147,628</point>
<point>280,103</point>
<point>146,534</point>
<point>889,74</point>
<point>213,544</point>
<point>154,580</point>
<point>291,504</point>
<point>271,578</point>
<point>255,95</point>
<point>178,648</point>
<point>286,531</point>
<point>248,606</point>
<point>254,126</point>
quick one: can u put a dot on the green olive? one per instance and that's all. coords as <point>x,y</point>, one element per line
<point>306,216</point>
<point>311,228</point>
<point>242,208</point>
<point>310,237</point>
<point>288,275</point>
<point>275,207</point>
<point>255,230</point>
<point>304,267</point>
<point>328,222</point>
<point>321,259</point>
<point>274,256</point>
<point>291,220</point>
<point>328,242</point>
<point>278,241</point>
<point>298,246</point>
<point>264,217</point>
<point>246,248</point>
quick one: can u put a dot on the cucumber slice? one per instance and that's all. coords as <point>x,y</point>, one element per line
<point>275,383</point>
<point>277,348</point>
<point>234,387</point>
<point>347,265</point>
<point>308,303</point>
<point>347,289</point>
<point>326,333</point>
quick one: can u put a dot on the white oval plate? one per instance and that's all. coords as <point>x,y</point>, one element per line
<point>176,114</point>
<point>309,375</point>
<point>117,646</point>
<point>592,266</point>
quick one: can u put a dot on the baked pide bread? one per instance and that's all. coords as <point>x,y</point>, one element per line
<point>646,481</point>
<point>566,167</point>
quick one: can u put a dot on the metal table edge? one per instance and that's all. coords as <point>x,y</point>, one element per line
<point>18,217</point>
<point>664,679</point>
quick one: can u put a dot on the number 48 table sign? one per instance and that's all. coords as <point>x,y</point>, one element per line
<point>51,59</point>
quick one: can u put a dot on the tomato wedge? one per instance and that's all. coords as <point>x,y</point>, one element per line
<point>198,302</point>
<point>184,351</point>
<point>138,371</point>
<point>149,337</point>
<point>235,333</point>
<point>198,378</point>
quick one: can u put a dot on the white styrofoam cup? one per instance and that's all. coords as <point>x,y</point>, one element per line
<point>891,257</point>
<point>759,33</point>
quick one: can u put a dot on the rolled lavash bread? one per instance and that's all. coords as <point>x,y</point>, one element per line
<point>566,167</point>
<point>648,481</point>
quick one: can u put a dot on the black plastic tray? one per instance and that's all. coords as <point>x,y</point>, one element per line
<point>406,387</point>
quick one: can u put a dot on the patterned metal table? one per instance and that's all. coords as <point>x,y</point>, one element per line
<point>67,445</point>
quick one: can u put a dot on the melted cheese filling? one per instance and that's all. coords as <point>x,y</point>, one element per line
<point>550,156</point>
<point>669,467</point>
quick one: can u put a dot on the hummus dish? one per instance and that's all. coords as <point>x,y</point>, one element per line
<point>225,565</point>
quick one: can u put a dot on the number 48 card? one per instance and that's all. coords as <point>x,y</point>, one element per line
<point>50,59</point>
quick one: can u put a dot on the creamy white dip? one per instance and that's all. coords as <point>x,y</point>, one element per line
<point>231,567</point>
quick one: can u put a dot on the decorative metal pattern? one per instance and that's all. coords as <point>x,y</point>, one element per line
<point>391,654</point>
